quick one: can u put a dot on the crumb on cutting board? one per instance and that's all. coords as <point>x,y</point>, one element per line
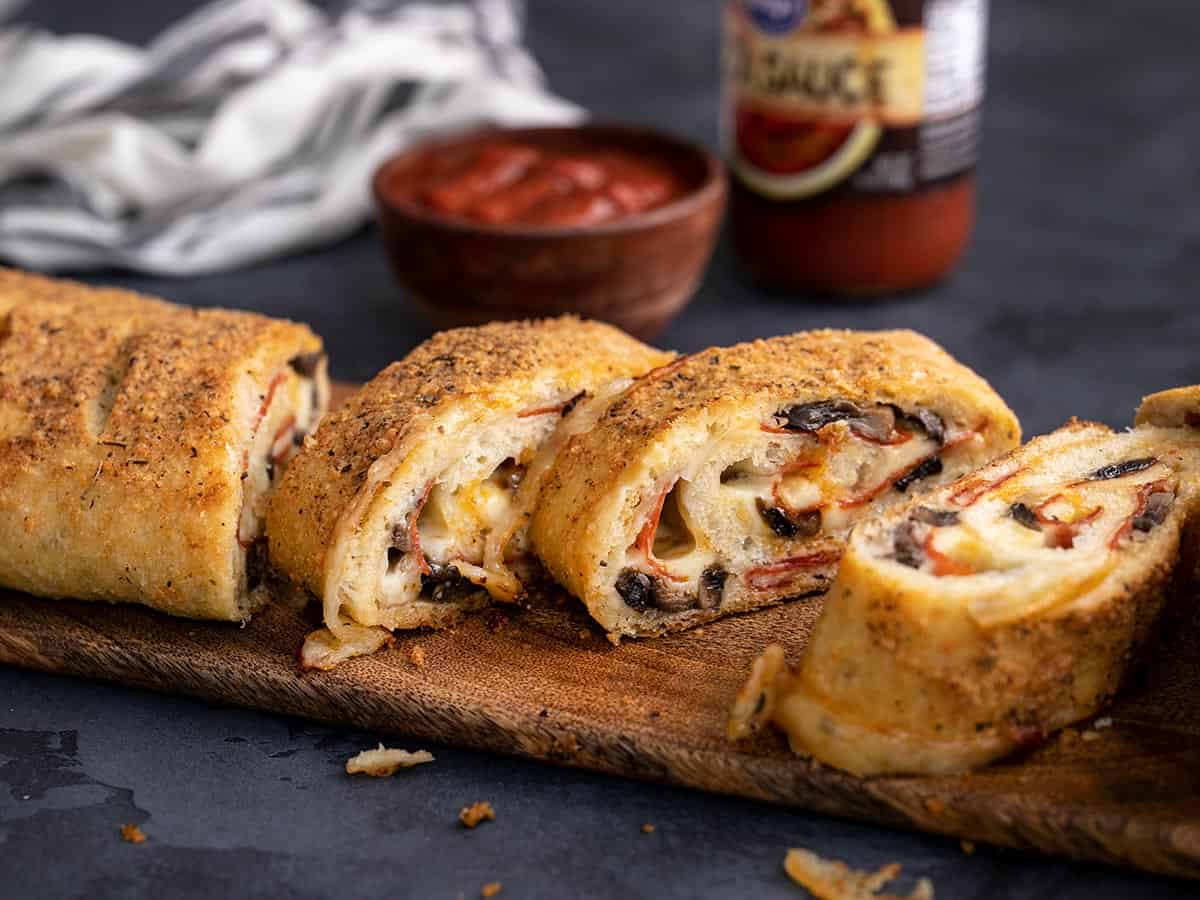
<point>475,813</point>
<point>131,834</point>
<point>384,761</point>
<point>321,651</point>
<point>491,889</point>
<point>831,879</point>
<point>416,656</point>
<point>935,806</point>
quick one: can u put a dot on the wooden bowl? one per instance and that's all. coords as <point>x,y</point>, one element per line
<point>637,272</point>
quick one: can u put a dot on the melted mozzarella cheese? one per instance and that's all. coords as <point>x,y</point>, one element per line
<point>455,524</point>
<point>989,539</point>
<point>454,527</point>
<point>839,479</point>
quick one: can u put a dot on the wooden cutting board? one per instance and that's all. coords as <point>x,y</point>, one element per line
<point>541,682</point>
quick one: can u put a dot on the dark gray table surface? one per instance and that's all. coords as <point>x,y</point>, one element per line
<point>1077,297</point>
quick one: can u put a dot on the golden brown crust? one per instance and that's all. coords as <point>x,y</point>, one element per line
<point>863,367</point>
<point>121,442</point>
<point>1174,408</point>
<point>493,365</point>
<point>899,367</point>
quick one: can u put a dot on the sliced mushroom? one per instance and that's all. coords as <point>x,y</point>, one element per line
<point>812,417</point>
<point>712,586</point>
<point>929,422</point>
<point>931,466</point>
<point>671,600</point>
<point>1023,515</point>
<point>788,524</point>
<point>445,584</point>
<point>878,424</point>
<point>1158,505</point>
<point>637,589</point>
<point>905,545</point>
<point>1120,469</point>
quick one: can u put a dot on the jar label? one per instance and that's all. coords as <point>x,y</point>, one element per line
<point>861,95</point>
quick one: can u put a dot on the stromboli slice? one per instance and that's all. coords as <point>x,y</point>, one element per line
<point>139,441</point>
<point>987,613</point>
<point>401,511</point>
<point>1174,408</point>
<point>727,480</point>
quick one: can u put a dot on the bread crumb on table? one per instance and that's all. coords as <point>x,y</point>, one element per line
<point>491,889</point>
<point>647,828</point>
<point>475,813</point>
<point>132,834</point>
<point>384,761</point>
<point>828,879</point>
<point>968,847</point>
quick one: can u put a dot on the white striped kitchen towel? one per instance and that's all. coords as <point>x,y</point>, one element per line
<point>247,130</point>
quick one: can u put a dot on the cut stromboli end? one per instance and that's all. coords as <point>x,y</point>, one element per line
<point>145,437</point>
<point>994,610</point>
<point>281,414</point>
<point>729,480</point>
<point>408,508</point>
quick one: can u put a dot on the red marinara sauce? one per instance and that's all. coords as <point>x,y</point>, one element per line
<point>851,127</point>
<point>504,182</point>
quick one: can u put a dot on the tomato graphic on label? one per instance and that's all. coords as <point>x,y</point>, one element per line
<point>806,84</point>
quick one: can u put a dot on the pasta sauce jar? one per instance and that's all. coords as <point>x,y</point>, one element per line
<point>851,128</point>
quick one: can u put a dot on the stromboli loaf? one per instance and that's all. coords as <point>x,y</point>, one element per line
<point>728,479</point>
<point>138,441</point>
<point>402,510</point>
<point>988,613</point>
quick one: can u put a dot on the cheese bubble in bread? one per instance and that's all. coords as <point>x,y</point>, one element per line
<point>728,479</point>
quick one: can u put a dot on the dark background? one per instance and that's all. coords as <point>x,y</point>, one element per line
<point>1076,298</point>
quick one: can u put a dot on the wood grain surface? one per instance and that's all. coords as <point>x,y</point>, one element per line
<point>541,682</point>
